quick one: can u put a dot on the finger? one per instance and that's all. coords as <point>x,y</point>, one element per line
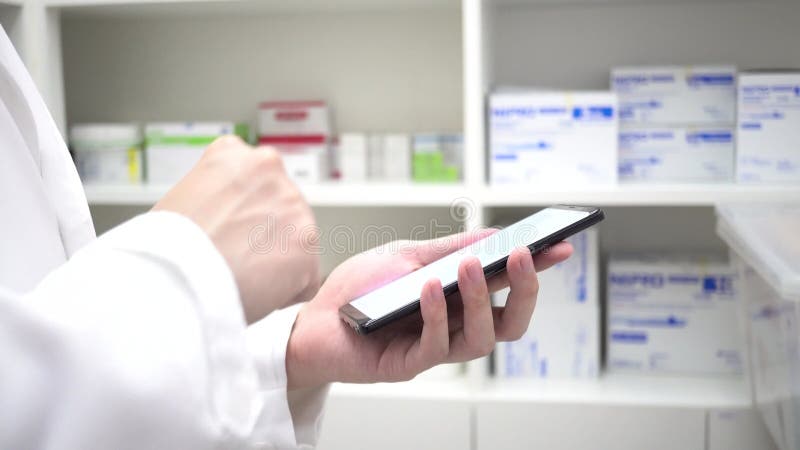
<point>514,319</point>
<point>543,260</point>
<point>553,255</point>
<point>428,251</point>
<point>434,342</point>
<point>498,282</point>
<point>476,338</point>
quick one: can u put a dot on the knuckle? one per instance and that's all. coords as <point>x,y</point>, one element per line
<point>268,159</point>
<point>226,141</point>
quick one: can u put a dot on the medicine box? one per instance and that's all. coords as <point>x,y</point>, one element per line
<point>673,315</point>
<point>680,154</point>
<point>389,157</point>
<point>437,157</point>
<point>675,95</point>
<point>397,157</point>
<point>768,140</point>
<point>174,147</point>
<point>307,163</point>
<point>294,118</point>
<point>563,339</point>
<point>352,155</point>
<point>553,139</point>
<point>108,153</point>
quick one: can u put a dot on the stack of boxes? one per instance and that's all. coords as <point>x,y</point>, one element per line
<point>301,131</point>
<point>673,315</point>
<point>676,123</point>
<point>553,139</point>
<point>563,339</point>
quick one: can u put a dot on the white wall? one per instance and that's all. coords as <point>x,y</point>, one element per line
<point>573,46</point>
<point>344,231</point>
<point>380,70</point>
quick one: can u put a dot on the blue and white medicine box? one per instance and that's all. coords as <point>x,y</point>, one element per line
<point>677,315</point>
<point>675,95</point>
<point>563,339</point>
<point>768,128</point>
<point>681,154</point>
<point>553,138</point>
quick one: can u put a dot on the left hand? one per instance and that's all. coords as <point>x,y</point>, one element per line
<point>322,348</point>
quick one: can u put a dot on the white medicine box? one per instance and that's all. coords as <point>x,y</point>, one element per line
<point>560,139</point>
<point>563,338</point>
<point>768,128</point>
<point>680,154</point>
<point>675,95</point>
<point>673,315</point>
<point>174,147</point>
<point>108,153</point>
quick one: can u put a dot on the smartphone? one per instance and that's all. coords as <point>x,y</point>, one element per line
<point>400,297</point>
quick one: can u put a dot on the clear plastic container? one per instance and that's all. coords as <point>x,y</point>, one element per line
<point>107,153</point>
<point>765,245</point>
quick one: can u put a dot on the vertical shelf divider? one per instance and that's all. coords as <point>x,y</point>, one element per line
<point>475,84</point>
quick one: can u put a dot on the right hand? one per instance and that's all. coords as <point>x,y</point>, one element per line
<point>258,220</point>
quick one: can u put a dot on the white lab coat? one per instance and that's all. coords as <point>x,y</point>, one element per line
<point>135,340</point>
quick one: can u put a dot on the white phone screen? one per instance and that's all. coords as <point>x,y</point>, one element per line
<point>406,290</point>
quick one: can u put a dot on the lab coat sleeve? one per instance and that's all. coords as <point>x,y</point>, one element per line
<point>139,341</point>
<point>300,411</point>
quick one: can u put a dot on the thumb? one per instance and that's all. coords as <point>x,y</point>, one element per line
<point>425,252</point>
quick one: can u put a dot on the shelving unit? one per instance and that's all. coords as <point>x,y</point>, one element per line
<point>400,195</point>
<point>416,66</point>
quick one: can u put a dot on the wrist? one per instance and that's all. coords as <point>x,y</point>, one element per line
<point>300,370</point>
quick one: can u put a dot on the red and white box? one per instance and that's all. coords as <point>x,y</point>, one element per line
<point>298,121</point>
<point>300,130</point>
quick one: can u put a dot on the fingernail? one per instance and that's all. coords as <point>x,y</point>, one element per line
<point>474,271</point>
<point>527,261</point>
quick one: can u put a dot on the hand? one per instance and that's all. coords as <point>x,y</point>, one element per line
<point>323,349</point>
<point>258,220</point>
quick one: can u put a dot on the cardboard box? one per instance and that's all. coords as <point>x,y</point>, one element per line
<point>553,139</point>
<point>352,154</point>
<point>397,157</point>
<point>675,95</point>
<point>563,339</point>
<point>173,148</point>
<point>279,119</point>
<point>768,140</point>
<point>438,158</point>
<point>306,164</point>
<point>673,315</point>
<point>682,154</point>
<point>301,131</point>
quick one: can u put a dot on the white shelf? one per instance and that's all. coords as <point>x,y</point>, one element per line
<point>641,195</point>
<point>610,389</point>
<point>623,389</point>
<point>401,195</point>
<point>150,8</point>
<point>322,195</point>
<point>453,389</point>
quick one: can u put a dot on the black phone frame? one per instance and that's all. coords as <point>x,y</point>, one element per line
<point>365,325</point>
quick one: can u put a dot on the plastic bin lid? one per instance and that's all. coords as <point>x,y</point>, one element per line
<point>767,237</point>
